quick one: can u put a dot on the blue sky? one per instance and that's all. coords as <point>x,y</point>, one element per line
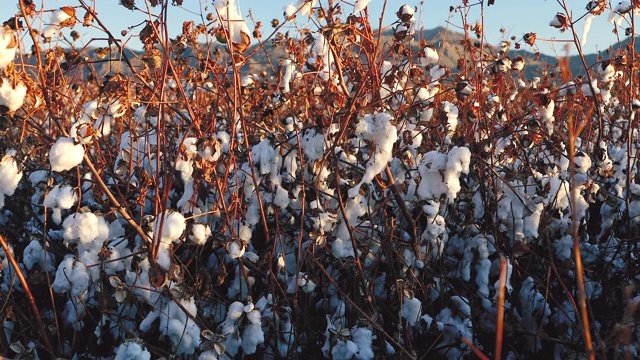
<point>515,16</point>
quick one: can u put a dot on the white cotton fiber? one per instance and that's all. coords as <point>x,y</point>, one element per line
<point>65,154</point>
<point>12,97</point>
<point>173,225</point>
<point>10,176</point>
<point>132,350</point>
<point>60,198</point>
<point>200,233</point>
<point>7,47</point>
<point>86,228</point>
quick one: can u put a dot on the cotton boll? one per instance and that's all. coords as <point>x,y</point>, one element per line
<point>363,338</point>
<point>131,350</point>
<point>236,249</point>
<point>12,97</point>
<point>429,56</point>
<point>7,47</point>
<point>65,154</point>
<point>60,198</point>
<point>85,228</point>
<point>10,175</point>
<point>200,233</point>
<point>173,225</point>
<point>71,277</point>
<point>34,255</point>
<point>360,5</point>
<point>411,310</point>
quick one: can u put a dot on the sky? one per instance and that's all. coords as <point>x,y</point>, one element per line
<point>516,17</point>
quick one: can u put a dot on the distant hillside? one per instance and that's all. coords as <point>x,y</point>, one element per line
<point>448,43</point>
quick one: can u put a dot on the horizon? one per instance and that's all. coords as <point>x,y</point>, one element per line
<point>514,19</point>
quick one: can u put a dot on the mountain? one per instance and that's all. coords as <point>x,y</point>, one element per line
<point>449,44</point>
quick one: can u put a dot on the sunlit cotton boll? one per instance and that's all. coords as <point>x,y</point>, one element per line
<point>173,225</point>
<point>86,228</point>
<point>65,154</point>
<point>10,175</point>
<point>359,6</point>
<point>200,233</point>
<point>12,97</point>
<point>60,198</point>
<point>7,47</point>
<point>429,56</point>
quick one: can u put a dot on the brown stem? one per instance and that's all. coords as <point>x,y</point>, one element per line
<point>27,291</point>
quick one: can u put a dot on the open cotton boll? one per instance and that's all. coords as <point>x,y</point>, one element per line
<point>12,97</point>
<point>360,5</point>
<point>59,16</point>
<point>60,198</point>
<point>86,228</point>
<point>132,350</point>
<point>7,47</point>
<point>411,310</point>
<point>65,154</point>
<point>384,136</point>
<point>303,8</point>
<point>10,175</point>
<point>71,277</point>
<point>34,255</point>
<point>173,225</point>
<point>200,233</point>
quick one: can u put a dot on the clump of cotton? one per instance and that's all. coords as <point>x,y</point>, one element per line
<point>455,323</point>
<point>411,309</point>
<point>132,350</point>
<point>34,255</point>
<point>58,20</point>
<point>360,5</point>
<point>428,56</point>
<point>451,111</point>
<point>58,199</point>
<point>231,17</point>
<point>10,175</point>
<point>587,27</point>
<point>379,130</point>
<point>168,228</point>
<point>534,315</point>
<point>477,253</point>
<point>71,277</point>
<point>441,173</point>
<point>65,154</point>
<point>199,234</point>
<point>302,8</point>
<point>12,96</point>
<point>86,229</point>
<point>288,72</point>
<point>7,47</point>
<point>175,316</point>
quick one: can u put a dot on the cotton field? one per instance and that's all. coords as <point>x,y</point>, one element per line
<point>355,199</point>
